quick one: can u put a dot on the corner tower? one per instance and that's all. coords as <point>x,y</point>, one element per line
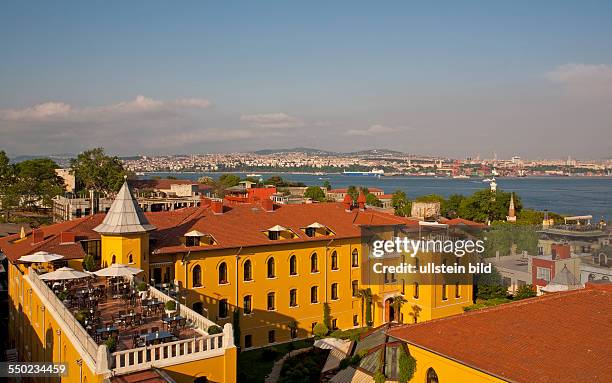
<point>125,232</point>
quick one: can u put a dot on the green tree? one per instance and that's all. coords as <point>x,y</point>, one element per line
<point>485,205</point>
<point>327,185</point>
<point>366,305</point>
<point>276,181</point>
<point>451,208</point>
<point>352,191</point>
<point>94,170</point>
<point>372,200</point>
<point>398,302</point>
<point>401,204</point>
<point>9,194</point>
<point>407,366</point>
<point>320,330</point>
<point>38,183</point>
<point>525,291</point>
<point>229,180</point>
<point>327,315</point>
<point>315,193</point>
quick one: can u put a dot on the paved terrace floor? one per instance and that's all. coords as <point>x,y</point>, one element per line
<point>108,310</point>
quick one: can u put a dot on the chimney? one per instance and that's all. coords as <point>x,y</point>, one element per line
<point>216,206</point>
<point>560,251</point>
<point>38,236</point>
<point>205,201</point>
<point>347,202</point>
<point>267,204</point>
<point>67,237</point>
<point>361,201</point>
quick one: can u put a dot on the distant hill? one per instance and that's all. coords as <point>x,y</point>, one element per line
<point>294,150</point>
<point>62,160</point>
<point>370,152</point>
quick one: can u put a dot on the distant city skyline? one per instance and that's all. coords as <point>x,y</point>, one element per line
<point>457,80</point>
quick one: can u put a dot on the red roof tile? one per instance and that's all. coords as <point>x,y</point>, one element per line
<point>562,337</point>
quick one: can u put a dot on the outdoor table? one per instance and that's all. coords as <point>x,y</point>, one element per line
<point>106,329</point>
<point>162,336</point>
<point>128,315</point>
<point>175,318</point>
<point>152,302</point>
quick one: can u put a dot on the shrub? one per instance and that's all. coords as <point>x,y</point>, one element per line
<point>170,305</point>
<point>269,354</point>
<point>525,291</point>
<point>327,315</point>
<point>111,344</point>
<point>214,329</point>
<point>407,367</point>
<point>80,316</point>
<point>88,263</point>
<point>320,330</point>
<point>379,377</point>
<point>142,286</point>
<point>62,295</point>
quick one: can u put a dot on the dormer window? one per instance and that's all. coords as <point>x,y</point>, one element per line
<point>196,238</point>
<point>316,229</point>
<point>279,232</point>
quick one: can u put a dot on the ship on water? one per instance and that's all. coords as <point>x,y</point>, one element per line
<point>372,173</point>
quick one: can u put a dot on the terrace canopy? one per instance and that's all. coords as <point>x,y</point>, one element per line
<point>64,273</point>
<point>40,257</point>
<point>117,270</point>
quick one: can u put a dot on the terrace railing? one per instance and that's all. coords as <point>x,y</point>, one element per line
<point>72,324</point>
<point>199,320</point>
<point>171,353</point>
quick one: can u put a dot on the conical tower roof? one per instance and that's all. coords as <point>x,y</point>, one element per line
<point>124,216</point>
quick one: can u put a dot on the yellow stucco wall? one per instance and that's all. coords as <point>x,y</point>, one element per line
<point>446,369</point>
<point>126,248</point>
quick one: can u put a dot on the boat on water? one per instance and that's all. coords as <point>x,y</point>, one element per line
<point>254,175</point>
<point>371,173</point>
<point>140,174</point>
<point>461,177</point>
<point>488,180</point>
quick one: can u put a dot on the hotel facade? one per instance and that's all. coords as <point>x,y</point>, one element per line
<point>262,272</point>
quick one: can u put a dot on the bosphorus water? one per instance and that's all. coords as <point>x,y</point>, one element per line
<point>564,195</point>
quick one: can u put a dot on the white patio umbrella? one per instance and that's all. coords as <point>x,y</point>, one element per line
<point>40,257</point>
<point>64,273</point>
<point>117,270</point>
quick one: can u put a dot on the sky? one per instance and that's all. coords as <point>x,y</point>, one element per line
<point>527,78</point>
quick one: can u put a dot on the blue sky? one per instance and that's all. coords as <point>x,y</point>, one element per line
<point>455,78</point>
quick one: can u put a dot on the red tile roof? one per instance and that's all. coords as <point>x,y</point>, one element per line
<point>246,224</point>
<point>562,337</point>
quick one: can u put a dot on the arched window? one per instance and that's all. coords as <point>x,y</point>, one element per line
<point>271,271</point>
<point>114,259</point>
<point>293,297</point>
<point>605,278</point>
<point>603,259</point>
<point>248,304</point>
<point>130,258</point>
<point>223,273</point>
<point>271,301</point>
<point>334,261</point>
<point>457,290</point>
<point>201,379</point>
<point>314,294</point>
<point>591,277</point>
<point>444,292</point>
<point>334,291</point>
<point>432,377</point>
<point>293,265</point>
<point>314,263</point>
<point>355,258</point>
<point>248,271</point>
<point>416,290</point>
<point>197,276</point>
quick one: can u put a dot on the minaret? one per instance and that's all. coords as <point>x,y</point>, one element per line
<point>125,232</point>
<point>511,217</point>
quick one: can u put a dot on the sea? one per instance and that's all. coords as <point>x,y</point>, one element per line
<point>563,195</point>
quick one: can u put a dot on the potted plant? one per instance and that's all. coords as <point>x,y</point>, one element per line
<point>143,290</point>
<point>214,329</point>
<point>170,308</point>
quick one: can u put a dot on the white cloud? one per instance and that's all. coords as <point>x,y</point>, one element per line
<point>580,73</point>
<point>272,121</point>
<point>59,111</point>
<point>373,130</point>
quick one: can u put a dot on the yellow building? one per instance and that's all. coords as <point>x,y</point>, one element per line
<point>268,269</point>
